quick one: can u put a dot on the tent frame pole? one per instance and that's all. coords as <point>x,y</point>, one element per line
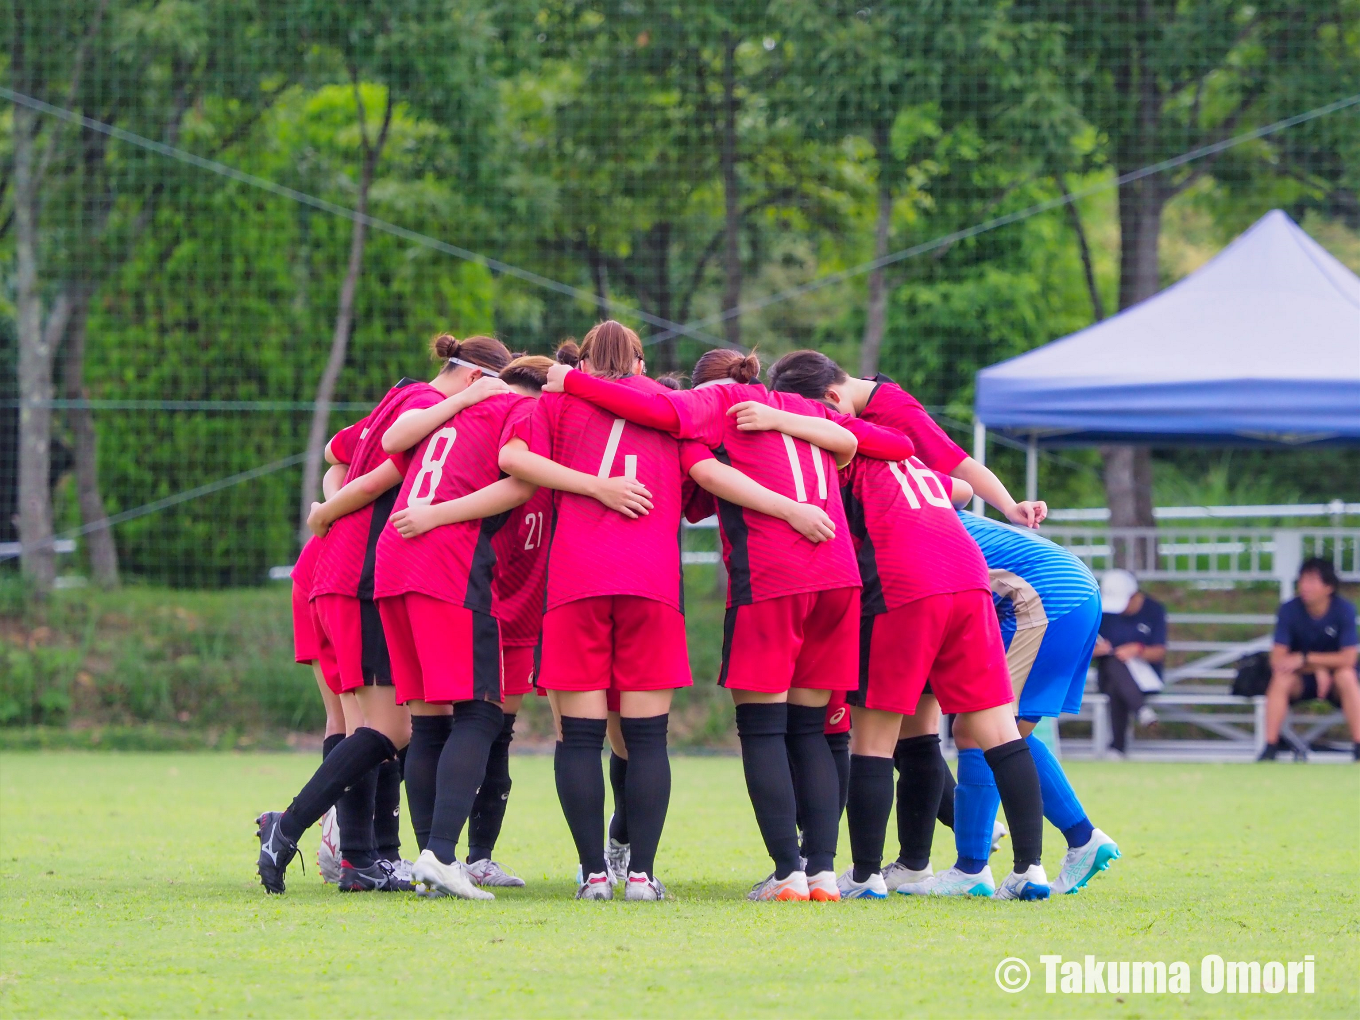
<point>979,455</point>
<point>1032,467</point>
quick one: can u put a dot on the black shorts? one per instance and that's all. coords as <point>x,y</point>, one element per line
<point>1310,692</point>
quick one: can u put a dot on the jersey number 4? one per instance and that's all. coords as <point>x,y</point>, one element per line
<point>432,466</point>
<point>931,489</point>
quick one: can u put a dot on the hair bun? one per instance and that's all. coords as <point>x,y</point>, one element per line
<point>568,353</point>
<point>745,370</point>
<point>446,346</point>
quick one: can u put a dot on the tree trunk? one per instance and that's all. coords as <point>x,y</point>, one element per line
<point>878,298</point>
<point>599,277</point>
<point>102,549</point>
<point>1084,248</point>
<point>35,367</point>
<point>344,317</point>
<point>732,197</point>
<point>666,360</point>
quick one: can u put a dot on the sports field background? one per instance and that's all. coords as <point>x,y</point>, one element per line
<point>128,888</point>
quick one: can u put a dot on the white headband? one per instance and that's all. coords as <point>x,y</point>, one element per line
<point>468,364</point>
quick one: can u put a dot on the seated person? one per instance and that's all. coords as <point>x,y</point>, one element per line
<point>1314,654</point>
<point>1129,652</point>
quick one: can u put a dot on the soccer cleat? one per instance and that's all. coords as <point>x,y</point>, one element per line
<point>822,887</point>
<point>276,851</point>
<point>952,882</point>
<point>616,857</point>
<point>328,852</point>
<point>641,887</point>
<point>1032,884</point>
<point>402,869</point>
<point>597,886</point>
<point>897,874</point>
<point>488,872</point>
<point>873,888</point>
<point>999,832</point>
<point>433,878</point>
<point>1081,863</point>
<point>380,876</point>
<point>793,887</point>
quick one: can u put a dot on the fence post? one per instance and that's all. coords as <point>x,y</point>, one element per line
<point>1032,467</point>
<point>1288,556</point>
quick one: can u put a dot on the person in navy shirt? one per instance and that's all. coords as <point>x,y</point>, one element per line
<point>1314,654</point>
<point>1129,652</point>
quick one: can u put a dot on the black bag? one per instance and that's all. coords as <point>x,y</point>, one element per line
<point>1253,675</point>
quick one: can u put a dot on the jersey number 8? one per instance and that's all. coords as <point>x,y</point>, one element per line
<point>432,466</point>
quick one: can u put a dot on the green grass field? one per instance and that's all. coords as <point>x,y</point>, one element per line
<point>129,890</point>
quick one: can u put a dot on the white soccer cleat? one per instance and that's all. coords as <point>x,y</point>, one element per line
<point>822,887</point>
<point>433,878</point>
<point>1081,863</point>
<point>328,852</point>
<point>597,886</point>
<point>402,869</point>
<point>793,887</point>
<point>999,832</point>
<point>641,887</point>
<point>488,872</point>
<point>897,874</point>
<point>953,882</point>
<point>616,857</point>
<point>1032,884</point>
<point>873,888</point>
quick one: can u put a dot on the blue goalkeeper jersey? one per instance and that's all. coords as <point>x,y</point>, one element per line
<point>1061,581</point>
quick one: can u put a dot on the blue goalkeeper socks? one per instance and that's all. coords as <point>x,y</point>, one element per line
<point>975,804</point>
<point>1061,806</point>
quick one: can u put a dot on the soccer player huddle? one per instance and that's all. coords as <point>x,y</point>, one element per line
<point>513,526</point>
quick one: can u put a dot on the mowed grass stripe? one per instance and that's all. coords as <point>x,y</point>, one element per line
<point>129,889</point>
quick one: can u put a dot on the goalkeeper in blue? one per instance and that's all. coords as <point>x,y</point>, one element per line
<point>1048,603</point>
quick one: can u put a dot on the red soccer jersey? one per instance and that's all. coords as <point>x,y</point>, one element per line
<point>305,566</point>
<point>521,558</point>
<point>346,562</point>
<point>453,562</point>
<point>908,537</point>
<point>765,557</point>
<point>891,405</point>
<point>595,550</point>
<point>346,441</point>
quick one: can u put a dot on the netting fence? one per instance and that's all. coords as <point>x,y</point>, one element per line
<point>921,189</point>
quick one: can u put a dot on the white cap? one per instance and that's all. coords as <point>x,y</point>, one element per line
<point>1117,587</point>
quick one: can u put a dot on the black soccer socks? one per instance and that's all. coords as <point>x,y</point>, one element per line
<point>351,759</point>
<point>921,770</point>
<point>428,735</point>
<point>580,788</point>
<point>462,764</point>
<point>1017,781</point>
<point>387,811</point>
<point>330,744</point>
<point>867,810</point>
<point>488,810</point>
<point>618,783</point>
<point>647,790</point>
<point>762,727</point>
<point>354,814</point>
<point>816,785</point>
<point>840,751</point>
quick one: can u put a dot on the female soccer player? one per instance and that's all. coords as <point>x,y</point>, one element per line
<point>349,631</point>
<point>793,604</point>
<point>928,617</point>
<point>614,596</point>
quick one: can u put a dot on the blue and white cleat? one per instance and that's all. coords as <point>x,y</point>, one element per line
<point>872,888</point>
<point>952,882</point>
<point>1081,863</point>
<point>1032,884</point>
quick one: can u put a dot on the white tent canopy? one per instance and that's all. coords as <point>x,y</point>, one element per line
<point>1261,345</point>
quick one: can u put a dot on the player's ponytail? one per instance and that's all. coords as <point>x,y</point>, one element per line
<point>723,363</point>
<point>808,373</point>
<point>484,352</point>
<point>612,349</point>
<point>527,370</point>
<point>568,353</point>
